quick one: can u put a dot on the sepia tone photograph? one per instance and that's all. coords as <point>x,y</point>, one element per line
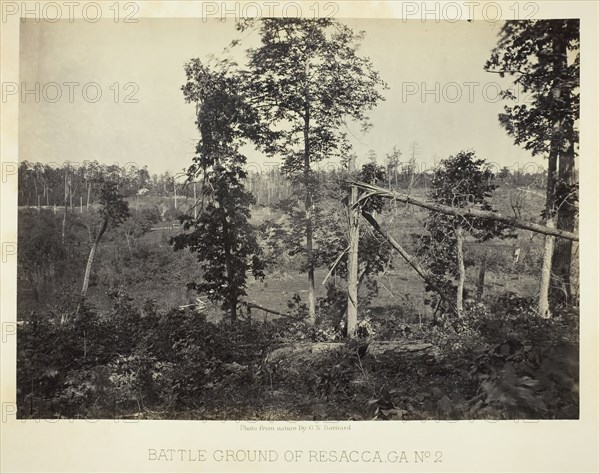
<point>309,219</point>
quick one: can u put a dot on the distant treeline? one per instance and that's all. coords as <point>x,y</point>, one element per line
<point>75,185</point>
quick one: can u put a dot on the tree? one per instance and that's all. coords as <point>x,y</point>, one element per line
<point>372,156</point>
<point>113,210</point>
<point>543,58</point>
<point>392,160</point>
<point>222,238</point>
<point>460,181</point>
<point>306,81</point>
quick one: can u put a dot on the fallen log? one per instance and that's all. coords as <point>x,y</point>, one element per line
<point>303,349</point>
<point>271,311</point>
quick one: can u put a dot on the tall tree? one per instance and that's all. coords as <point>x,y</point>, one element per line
<point>307,80</point>
<point>222,237</point>
<point>543,58</point>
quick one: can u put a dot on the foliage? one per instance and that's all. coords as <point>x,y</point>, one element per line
<point>113,208</point>
<point>460,181</point>
<point>532,52</point>
<point>222,237</point>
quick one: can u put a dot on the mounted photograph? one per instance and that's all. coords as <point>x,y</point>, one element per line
<point>298,219</point>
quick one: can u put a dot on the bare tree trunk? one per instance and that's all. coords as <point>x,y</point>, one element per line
<point>353,232</point>
<point>543,301</point>
<point>309,230</point>
<point>128,240</point>
<point>64,222</point>
<point>460,260</point>
<point>546,274</point>
<point>88,267</point>
<point>481,279</point>
<point>89,191</point>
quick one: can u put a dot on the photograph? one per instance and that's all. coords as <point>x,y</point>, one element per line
<point>305,222</point>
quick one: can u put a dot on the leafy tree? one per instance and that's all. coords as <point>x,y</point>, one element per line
<point>459,181</point>
<point>113,210</point>
<point>543,58</point>
<point>306,80</point>
<point>221,235</point>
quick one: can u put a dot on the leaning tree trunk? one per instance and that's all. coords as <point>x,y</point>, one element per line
<point>88,267</point>
<point>412,261</point>
<point>460,260</point>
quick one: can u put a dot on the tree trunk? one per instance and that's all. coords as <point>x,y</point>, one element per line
<point>481,279</point>
<point>353,232</point>
<point>565,210</point>
<point>232,293</point>
<point>546,273</point>
<point>88,267</point>
<point>87,205</point>
<point>460,260</point>
<point>64,222</point>
<point>565,220</point>
<point>309,229</point>
<point>128,243</point>
<point>543,301</point>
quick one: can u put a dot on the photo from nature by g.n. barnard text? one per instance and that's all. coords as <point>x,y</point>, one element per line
<point>298,219</point>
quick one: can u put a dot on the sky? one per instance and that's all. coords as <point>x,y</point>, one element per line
<point>439,95</point>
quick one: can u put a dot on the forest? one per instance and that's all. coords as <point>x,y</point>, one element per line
<point>369,290</point>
